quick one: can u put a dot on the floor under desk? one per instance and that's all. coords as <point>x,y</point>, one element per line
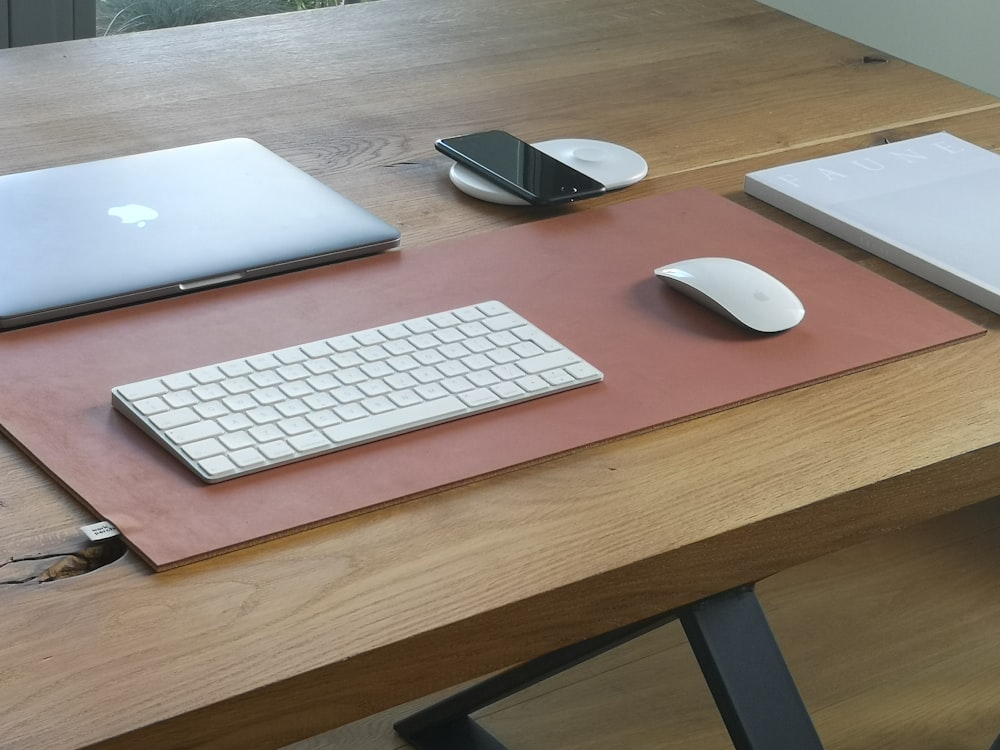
<point>893,645</point>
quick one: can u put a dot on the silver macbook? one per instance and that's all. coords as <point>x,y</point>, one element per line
<point>102,234</point>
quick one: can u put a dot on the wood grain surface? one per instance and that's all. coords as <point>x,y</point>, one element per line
<point>892,644</point>
<point>270,645</point>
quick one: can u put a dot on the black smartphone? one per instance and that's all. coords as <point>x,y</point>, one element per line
<point>520,168</point>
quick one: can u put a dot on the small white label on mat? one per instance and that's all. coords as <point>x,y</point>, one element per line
<point>102,530</point>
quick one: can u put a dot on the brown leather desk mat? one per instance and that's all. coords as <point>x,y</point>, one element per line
<point>585,278</point>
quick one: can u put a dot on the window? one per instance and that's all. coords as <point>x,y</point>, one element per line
<point>35,21</point>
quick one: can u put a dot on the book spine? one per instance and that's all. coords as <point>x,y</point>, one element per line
<point>871,242</point>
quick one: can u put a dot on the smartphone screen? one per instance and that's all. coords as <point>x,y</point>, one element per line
<point>519,167</point>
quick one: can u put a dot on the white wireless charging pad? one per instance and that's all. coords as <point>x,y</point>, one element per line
<point>613,165</point>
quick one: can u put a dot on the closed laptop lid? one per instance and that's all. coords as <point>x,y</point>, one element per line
<point>101,234</point>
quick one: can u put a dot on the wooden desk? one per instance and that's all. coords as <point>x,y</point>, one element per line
<point>274,643</point>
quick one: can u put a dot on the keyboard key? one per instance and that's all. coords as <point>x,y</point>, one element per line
<point>479,397</point>
<point>211,410</point>
<point>472,330</point>
<point>236,369</point>
<point>405,398</point>
<point>423,341</point>
<point>583,371</point>
<point>323,383</point>
<point>369,338</point>
<point>419,325</point>
<point>503,338</point>
<point>374,387</point>
<point>292,408</point>
<point>264,415</point>
<point>394,331</point>
<point>234,422</point>
<point>527,349</point>
<point>429,391</point>
<point>479,344</point>
<point>343,343</point>
<point>264,362</point>
<point>309,442</point>
<point>377,405</point>
<point>477,362</point>
<point>400,380</point>
<point>428,357</point>
<point>556,377</point>
<point>503,322</point>
<point>237,440</point>
<point>381,425</point>
<point>207,374</point>
<point>316,350</point>
<point>378,369</point>
<point>402,363</point>
<point>150,406</point>
<point>176,418</point>
<point>348,412</point>
<point>209,392</point>
<point>444,320</point>
<point>295,426</point>
<point>507,390</point>
<point>240,403</point>
<point>265,433</point>
<point>179,381</point>
<point>492,308</point>
<point>319,401</point>
<point>507,372</point>
<point>448,336</point>
<point>323,418</point>
<point>398,347</point>
<point>347,394</point>
<point>293,372</point>
<point>346,359</point>
<point>426,374</point>
<point>290,356</point>
<point>373,353</point>
<point>237,385</point>
<point>482,377</point>
<point>351,376</point>
<point>265,379</point>
<point>195,431</point>
<point>548,361</point>
<point>247,458</point>
<point>531,383</point>
<point>276,450</point>
<point>204,449</point>
<point>468,314</point>
<point>457,385</point>
<point>452,368</point>
<point>217,467</point>
<point>296,389</point>
<point>320,366</point>
<point>266,396</point>
<point>180,399</point>
<point>502,356</point>
<point>144,389</point>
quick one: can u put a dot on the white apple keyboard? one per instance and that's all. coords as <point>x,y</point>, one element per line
<point>243,416</point>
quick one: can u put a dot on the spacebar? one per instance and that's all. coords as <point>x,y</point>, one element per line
<point>399,420</point>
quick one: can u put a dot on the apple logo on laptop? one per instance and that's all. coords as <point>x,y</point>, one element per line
<point>133,213</point>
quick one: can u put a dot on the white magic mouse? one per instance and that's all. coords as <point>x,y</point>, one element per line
<point>736,290</point>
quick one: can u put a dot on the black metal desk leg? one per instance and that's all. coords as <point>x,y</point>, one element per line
<point>747,674</point>
<point>736,650</point>
<point>446,725</point>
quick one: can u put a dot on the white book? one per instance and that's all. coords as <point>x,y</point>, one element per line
<point>930,205</point>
